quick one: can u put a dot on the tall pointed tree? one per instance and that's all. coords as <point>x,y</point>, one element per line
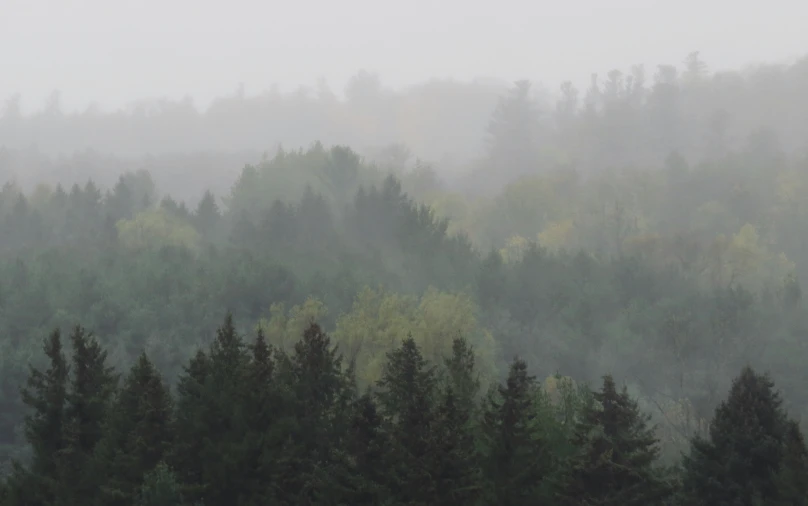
<point>514,458</point>
<point>745,451</point>
<point>160,488</point>
<point>462,378</point>
<point>313,465</point>
<point>92,387</point>
<point>368,446</point>
<point>212,419</point>
<point>137,435</point>
<point>191,426</point>
<point>616,453</point>
<point>407,397</point>
<point>45,395</point>
<point>454,461</point>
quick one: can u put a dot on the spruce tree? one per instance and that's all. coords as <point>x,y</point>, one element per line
<point>92,387</point>
<point>313,464</point>
<point>616,453</point>
<point>462,377</point>
<point>212,420</point>
<point>137,435</point>
<point>191,426</point>
<point>368,447</point>
<point>159,488</point>
<point>407,396</point>
<point>45,395</point>
<point>266,423</point>
<point>455,466</point>
<point>207,214</point>
<point>792,485</point>
<point>513,454</point>
<point>740,461</point>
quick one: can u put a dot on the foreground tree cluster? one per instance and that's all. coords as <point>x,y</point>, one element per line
<point>250,424</point>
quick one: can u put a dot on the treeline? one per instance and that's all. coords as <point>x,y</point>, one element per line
<point>250,424</point>
<point>626,117</point>
<point>321,235</point>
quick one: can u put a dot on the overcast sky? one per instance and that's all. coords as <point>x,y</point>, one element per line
<point>112,52</point>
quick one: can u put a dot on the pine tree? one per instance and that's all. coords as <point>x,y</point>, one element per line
<point>207,214</point>
<point>159,488</point>
<point>313,466</point>
<point>368,446</point>
<point>739,463</point>
<point>514,458</point>
<point>267,423</point>
<point>462,377</point>
<point>191,426</point>
<point>46,395</point>
<point>616,452</point>
<point>212,420</point>
<point>407,397</point>
<point>92,387</point>
<point>137,435</point>
<point>791,480</point>
<point>454,460</point>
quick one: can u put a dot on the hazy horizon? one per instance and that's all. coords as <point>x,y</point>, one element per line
<point>111,54</point>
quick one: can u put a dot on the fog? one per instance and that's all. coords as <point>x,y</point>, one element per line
<point>111,54</point>
<point>411,253</point>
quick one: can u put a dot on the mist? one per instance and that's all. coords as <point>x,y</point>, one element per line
<point>403,253</point>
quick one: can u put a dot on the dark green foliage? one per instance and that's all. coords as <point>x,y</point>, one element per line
<point>46,396</point>
<point>367,444</point>
<point>462,379</point>
<point>191,424</point>
<point>92,387</point>
<point>751,441</point>
<point>312,466</point>
<point>138,434</point>
<point>159,488</point>
<point>212,420</point>
<point>514,457</point>
<point>407,398</point>
<point>455,466</point>
<point>791,482</point>
<point>616,452</point>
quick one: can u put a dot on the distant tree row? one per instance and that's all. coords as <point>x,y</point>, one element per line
<point>625,117</point>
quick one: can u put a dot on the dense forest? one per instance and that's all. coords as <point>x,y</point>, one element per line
<point>606,310</point>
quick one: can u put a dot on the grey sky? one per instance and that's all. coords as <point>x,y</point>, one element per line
<point>113,51</point>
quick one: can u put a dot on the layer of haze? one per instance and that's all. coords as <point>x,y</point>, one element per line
<point>113,52</point>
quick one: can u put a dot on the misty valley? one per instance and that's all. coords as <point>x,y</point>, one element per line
<point>454,294</point>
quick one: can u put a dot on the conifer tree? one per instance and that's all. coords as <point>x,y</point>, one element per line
<point>92,387</point>
<point>191,426</point>
<point>368,447</point>
<point>267,423</point>
<point>454,460</point>
<point>463,379</point>
<point>137,435</point>
<point>159,488</point>
<point>407,397</point>
<point>616,452</point>
<point>212,430</point>
<point>46,395</point>
<point>207,213</point>
<point>745,452</point>
<point>313,464</point>
<point>514,458</point>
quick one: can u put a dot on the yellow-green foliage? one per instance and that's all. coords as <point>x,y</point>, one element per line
<point>379,321</point>
<point>283,330</point>
<point>156,228</point>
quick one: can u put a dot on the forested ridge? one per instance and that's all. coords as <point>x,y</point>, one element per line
<point>341,329</point>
